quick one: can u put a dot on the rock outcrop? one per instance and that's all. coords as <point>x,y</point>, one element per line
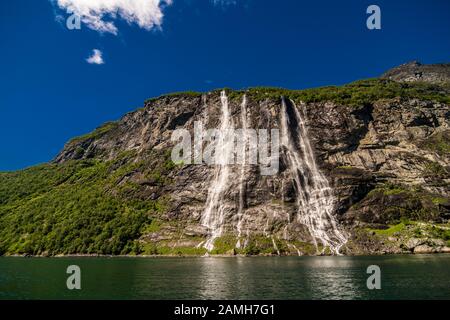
<point>415,71</point>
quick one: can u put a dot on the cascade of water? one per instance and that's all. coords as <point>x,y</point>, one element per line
<point>315,201</point>
<point>298,251</point>
<point>215,210</point>
<point>275,246</point>
<point>243,165</point>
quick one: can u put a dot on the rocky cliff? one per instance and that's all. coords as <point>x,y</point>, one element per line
<point>415,71</point>
<point>374,176</point>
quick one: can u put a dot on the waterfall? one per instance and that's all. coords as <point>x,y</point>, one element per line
<point>215,210</point>
<point>315,201</point>
<point>242,189</point>
<point>314,198</point>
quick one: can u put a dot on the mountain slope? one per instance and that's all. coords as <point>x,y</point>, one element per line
<point>382,145</point>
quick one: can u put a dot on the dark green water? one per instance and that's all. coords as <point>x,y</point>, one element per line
<point>402,277</point>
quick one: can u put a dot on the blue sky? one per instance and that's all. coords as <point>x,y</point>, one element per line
<point>49,93</point>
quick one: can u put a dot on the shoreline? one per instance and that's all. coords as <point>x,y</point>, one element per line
<point>214,256</point>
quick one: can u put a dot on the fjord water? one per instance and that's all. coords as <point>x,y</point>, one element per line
<point>326,277</point>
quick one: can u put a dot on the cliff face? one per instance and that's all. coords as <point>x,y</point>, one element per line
<point>385,161</point>
<point>381,147</point>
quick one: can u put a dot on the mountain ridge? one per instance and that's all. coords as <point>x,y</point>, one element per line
<point>383,145</point>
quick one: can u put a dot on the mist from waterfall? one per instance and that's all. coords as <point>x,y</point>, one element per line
<point>314,199</point>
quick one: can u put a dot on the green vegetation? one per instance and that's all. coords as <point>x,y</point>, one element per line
<point>436,170</point>
<point>439,142</point>
<point>440,233</point>
<point>97,133</point>
<point>80,206</point>
<point>439,200</point>
<point>345,167</point>
<point>357,93</point>
<point>436,174</point>
<point>391,230</point>
<point>397,202</point>
<point>224,244</point>
<point>390,189</point>
<point>154,226</point>
<point>406,230</point>
<point>176,94</point>
<point>262,245</point>
<point>155,250</point>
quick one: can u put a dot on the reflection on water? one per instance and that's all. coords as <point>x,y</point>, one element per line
<point>334,278</point>
<point>211,282</point>
<point>403,277</point>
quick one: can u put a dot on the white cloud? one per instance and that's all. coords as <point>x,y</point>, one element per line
<point>99,14</point>
<point>96,57</point>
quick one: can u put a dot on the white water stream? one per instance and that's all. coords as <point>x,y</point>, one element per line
<point>314,198</point>
<point>315,201</point>
<point>242,188</point>
<point>215,211</point>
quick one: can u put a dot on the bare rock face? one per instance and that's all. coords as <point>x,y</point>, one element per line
<point>384,161</point>
<point>415,71</point>
<point>423,249</point>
